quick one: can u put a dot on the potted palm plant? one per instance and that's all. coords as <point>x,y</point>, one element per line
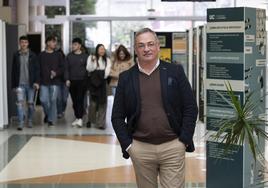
<point>243,127</point>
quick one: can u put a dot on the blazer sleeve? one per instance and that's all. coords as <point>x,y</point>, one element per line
<point>119,115</point>
<point>189,108</point>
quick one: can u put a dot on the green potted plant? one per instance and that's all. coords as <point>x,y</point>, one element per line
<point>243,127</point>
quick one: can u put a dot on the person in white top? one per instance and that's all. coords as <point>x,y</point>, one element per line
<point>99,66</point>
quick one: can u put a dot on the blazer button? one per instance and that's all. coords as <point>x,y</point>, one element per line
<point>168,114</point>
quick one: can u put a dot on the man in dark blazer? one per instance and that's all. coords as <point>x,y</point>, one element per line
<point>154,116</point>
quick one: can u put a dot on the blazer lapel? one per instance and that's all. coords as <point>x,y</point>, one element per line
<point>163,81</point>
<point>136,84</point>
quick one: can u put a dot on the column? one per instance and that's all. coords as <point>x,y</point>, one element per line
<point>33,14</point>
<point>23,13</point>
<point>66,29</point>
<point>236,39</point>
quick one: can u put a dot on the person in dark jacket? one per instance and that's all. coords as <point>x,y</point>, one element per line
<point>75,76</point>
<point>154,116</point>
<point>51,69</point>
<point>63,93</point>
<point>25,80</point>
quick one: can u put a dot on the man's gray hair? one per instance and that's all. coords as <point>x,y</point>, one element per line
<point>145,30</point>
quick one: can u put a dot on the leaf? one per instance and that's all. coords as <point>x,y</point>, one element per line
<point>243,126</point>
<point>251,141</point>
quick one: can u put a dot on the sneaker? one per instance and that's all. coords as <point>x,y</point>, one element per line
<point>50,124</point>
<point>20,126</point>
<point>79,123</point>
<point>88,124</point>
<point>60,116</point>
<point>75,122</point>
<point>30,124</point>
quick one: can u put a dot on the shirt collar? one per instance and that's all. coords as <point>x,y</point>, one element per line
<point>24,53</point>
<point>150,72</point>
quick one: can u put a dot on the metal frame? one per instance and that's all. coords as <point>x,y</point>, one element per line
<point>58,19</point>
<point>190,56</point>
<point>197,66</point>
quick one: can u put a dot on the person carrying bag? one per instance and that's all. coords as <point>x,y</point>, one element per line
<point>99,66</point>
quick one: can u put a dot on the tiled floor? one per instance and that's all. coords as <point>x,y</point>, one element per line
<point>64,156</point>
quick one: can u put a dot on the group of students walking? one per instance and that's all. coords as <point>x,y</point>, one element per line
<point>51,73</point>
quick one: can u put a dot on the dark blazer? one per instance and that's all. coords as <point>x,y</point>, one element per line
<point>178,101</point>
<point>34,70</point>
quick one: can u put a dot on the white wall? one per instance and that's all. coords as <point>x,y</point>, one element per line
<point>3,78</point>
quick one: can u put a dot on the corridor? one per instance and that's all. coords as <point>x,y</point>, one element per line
<point>64,156</point>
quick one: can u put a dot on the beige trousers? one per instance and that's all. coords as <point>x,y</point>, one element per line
<point>165,160</point>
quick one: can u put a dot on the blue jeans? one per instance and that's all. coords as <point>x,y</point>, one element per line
<point>62,98</point>
<point>48,98</point>
<point>113,90</point>
<point>25,93</point>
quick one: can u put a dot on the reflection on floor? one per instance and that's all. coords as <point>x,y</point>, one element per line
<point>78,159</point>
<point>70,157</point>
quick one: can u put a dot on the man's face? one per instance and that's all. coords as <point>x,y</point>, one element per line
<point>52,44</point>
<point>147,47</point>
<point>24,44</point>
<point>76,46</point>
